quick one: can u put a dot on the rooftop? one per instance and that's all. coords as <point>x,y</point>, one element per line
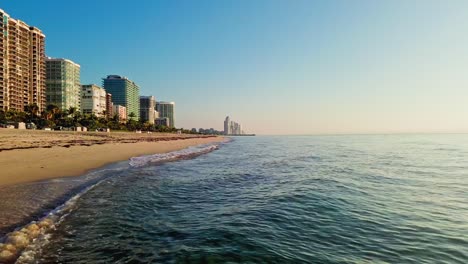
<point>62,59</point>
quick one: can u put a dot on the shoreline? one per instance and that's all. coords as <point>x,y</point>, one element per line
<point>23,165</point>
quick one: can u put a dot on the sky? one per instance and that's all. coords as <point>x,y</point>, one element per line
<point>276,67</point>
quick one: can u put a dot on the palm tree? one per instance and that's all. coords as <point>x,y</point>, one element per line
<point>115,118</point>
<point>32,110</point>
<point>72,111</point>
<point>131,115</point>
<point>51,111</point>
<point>11,115</point>
<point>2,116</point>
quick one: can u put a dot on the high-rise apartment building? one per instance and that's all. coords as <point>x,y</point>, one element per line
<point>22,65</point>
<point>227,126</point>
<point>63,83</point>
<point>163,121</point>
<point>121,112</point>
<point>124,92</point>
<point>147,108</point>
<point>166,110</point>
<point>93,100</point>
<point>109,106</point>
<point>231,127</point>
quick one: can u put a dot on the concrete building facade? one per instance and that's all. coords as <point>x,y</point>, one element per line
<point>147,106</point>
<point>22,65</point>
<point>109,106</point>
<point>121,112</point>
<point>63,83</point>
<point>166,110</point>
<point>163,121</point>
<point>93,100</point>
<point>125,93</point>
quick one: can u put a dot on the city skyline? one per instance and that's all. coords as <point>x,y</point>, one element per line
<point>231,127</point>
<point>363,67</point>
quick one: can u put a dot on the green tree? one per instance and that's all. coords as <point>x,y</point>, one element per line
<point>72,111</point>
<point>51,112</point>
<point>15,116</point>
<point>32,111</point>
<point>132,115</point>
<point>2,116</point>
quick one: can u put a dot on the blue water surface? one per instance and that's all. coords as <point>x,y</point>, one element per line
<point>298,199</point>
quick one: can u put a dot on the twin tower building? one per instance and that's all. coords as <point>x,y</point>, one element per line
<point>27,77</point>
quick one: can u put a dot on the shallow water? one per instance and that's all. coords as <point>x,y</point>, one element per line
<point>331,199</point>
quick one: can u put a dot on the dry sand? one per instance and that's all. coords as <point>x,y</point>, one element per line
<point>27,156</point>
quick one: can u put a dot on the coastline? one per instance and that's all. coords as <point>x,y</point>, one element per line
<point>29,164</point>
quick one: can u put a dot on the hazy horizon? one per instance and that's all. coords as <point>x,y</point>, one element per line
<point>276,67</point>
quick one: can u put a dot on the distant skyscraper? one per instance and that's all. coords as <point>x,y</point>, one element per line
<point>166,110</point>
<point>231,127</point>
<point>22,65</point>
<point>227,126</point>
<point>147,106</point>
<point>124,92</point>
<point>63,83</point>
<point>93,100</point>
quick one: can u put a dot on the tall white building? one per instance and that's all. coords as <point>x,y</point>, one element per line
<point>93,100</point>
<point>227,126</point>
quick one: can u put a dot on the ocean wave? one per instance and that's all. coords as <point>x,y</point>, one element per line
<point>21,245</point>
<point>25,243</point>
<point>175,155</point>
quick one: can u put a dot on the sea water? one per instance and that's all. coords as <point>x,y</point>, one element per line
<point>297,199</point>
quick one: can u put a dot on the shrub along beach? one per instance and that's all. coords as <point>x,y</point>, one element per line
<point>54,118</point>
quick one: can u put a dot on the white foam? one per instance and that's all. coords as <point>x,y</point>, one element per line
<point>54,217</point>
<point>184,153</point>
<point>57,215</point>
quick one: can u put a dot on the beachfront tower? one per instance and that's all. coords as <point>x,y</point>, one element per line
<point>93,100</point>
<point>231,127</point>
<point>22,65</point>
<point>121,112</point>
<point>109,106</point>
<point>167,110</point>
<point>125,93</point>
<point>63,83</point>
<point>227,126</point>
<point>147,106</point>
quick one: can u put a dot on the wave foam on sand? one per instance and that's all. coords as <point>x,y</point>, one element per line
<point>23,245</point>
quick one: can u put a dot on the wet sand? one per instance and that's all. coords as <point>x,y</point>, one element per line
<point>27,156</point>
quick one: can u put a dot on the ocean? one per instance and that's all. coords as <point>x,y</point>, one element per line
<point>282,199</point>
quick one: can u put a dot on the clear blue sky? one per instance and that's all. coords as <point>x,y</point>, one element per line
<point>277,67</point>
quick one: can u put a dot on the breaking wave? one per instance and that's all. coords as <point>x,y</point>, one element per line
<point>25,244</point>
<point>175,155</point>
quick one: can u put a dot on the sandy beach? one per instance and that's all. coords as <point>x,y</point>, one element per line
<point>27,156</point>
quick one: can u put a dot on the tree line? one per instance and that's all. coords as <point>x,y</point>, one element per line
<point>53,117</point>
